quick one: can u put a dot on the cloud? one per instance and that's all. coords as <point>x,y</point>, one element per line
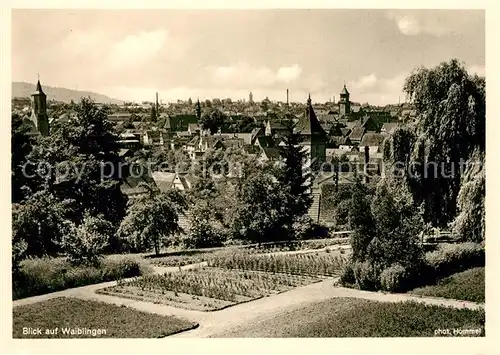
<point>377,91</point>
<point>288,74</point>
<point>243,75</point>
<point>136,49</point>
<point>434,23</point>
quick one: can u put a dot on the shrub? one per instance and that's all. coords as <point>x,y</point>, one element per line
<point>347,277</point>
<point>366,275</point>
<point>453,258</point>
<point>394,278</point>
<point>38,276</point>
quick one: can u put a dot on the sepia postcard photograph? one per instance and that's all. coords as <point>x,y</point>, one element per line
<point>246,173</point>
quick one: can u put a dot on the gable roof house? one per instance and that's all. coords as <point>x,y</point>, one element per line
<point>276,127</point>
<point>357,134</point>
<point>153,137</point>
<point>373,141</point>
<point>389,127</point>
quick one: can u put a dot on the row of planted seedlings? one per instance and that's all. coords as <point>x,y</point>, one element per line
<point>220,284</point>
<point>312,264</point>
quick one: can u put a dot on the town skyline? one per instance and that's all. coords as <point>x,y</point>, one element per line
<point>182,54</point>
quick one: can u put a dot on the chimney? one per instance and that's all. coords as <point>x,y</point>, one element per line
<point>333,98</point>
<point>287,97</point>
<point>367,161</point>
<point>157,106</point>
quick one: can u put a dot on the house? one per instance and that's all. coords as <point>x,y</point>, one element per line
<point>345,131</point>
<point>373,141</point>
<point>276,127</point>
<point>193,128</point>
<point>356,134</point>
<point>256,132</point>
<point>134,183</point>
<point>179,122</point>
<point>265,142</point>
<point>166,181</point>
<point>269,154</point>
<point>129,140</point>
<point>388,128</point>
<point>153,137</point>
<point>120,117</point>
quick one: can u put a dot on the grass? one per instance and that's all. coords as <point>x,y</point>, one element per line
<point>38,276</point>
<point>351,317</point>
<point>104,320</point>
<point>230,286</point>
<point>467,286</point>
<point>311,264</point>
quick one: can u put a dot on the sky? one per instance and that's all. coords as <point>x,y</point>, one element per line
<point>205,54</point>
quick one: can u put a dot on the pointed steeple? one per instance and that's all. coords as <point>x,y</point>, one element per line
<point>38,90</point>
<point>309,124</point>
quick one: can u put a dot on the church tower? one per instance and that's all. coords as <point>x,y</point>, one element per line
<point>344,103</point>
<point>313,137</point>
<point>39,110</point>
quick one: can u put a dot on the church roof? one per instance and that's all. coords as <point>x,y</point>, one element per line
<point>309,124</point>
<point>344,91</point>
<point>38,90</point>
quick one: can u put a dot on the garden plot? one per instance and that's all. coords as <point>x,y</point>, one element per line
<point>316,264</point>
<point>206,289</point>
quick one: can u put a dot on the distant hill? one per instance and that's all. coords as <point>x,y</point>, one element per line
<point>21,89</point>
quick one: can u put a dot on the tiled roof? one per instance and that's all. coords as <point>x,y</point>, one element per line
<point>372,139</point>
<point>309,124</point>
<point>357,133</point>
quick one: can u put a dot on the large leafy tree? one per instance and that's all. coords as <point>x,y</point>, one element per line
<point>470,221</point>
<point>152,220</point>
<point>40,222</point>
<point>260,207</point>
<point>450,126</point>
<point>21,145</point>
<point>360,220</point>
<point>212,120</point>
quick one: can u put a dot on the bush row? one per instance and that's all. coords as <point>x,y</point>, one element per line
<point>37,276</point>
<point>445,261</point>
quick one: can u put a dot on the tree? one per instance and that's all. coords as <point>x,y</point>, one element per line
<point>212,120</point>
<point>396,226</point>
<point>21,146</point>
<point>296,178</point>
<point>152,220</point>
<point>85,244</point>
<point>360,220</point>
<point>154,114</point>
<point>260,207</point>
<point>469,224</point>
<point>198,110</point>
<point>450,125</point>
<point>40,222</point>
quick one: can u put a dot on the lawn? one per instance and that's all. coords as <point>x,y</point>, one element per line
<point>351,317</point>
<point>63,315</point>
<point>206,289</point>
<point>467,285</point>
